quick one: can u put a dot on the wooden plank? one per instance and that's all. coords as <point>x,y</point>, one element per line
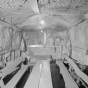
<point>69,82</point>
<point>12,83</point>
<point>33,80</point>
<point>45,79</point>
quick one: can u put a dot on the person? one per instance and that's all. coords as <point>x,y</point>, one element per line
<point>25,61</point>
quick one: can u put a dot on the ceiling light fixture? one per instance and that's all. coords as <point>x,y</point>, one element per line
<point>42,22</point>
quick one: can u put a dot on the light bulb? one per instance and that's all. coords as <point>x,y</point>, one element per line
<point>42,22</point>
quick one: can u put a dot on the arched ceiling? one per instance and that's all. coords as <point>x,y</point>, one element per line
<point>30,12</point>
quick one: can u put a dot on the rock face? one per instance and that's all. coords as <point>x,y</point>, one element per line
<point>5,38</point>
<point>78,37</point>
<point>9,38</point>
<point>63,5</point>
<point>13,6</point>
<point>16,41</point>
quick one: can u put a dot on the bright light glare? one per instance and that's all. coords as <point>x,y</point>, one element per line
<point>42,22</point>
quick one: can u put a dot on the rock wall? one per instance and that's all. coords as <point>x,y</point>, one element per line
<point>79,42</point>
<point>60,6</point>
<point>5,38</point>
<point>10,40</point>
<point>77,36</point>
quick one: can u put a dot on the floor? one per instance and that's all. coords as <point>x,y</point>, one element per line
<point>57,78</point>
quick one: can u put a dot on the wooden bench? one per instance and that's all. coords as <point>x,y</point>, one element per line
<point>40,76</point>
<point>45,79</point>
<point>12,83</point>
<point>69,82</point>
<point>34,77</point>
<point>76,69</point>
<point>10,68</point>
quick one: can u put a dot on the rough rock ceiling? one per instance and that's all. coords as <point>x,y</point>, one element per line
<point>63,6</point>
<point>9,7</point>
<point>70,11</point>
<point>15,11</point>
<point>63,11</point>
